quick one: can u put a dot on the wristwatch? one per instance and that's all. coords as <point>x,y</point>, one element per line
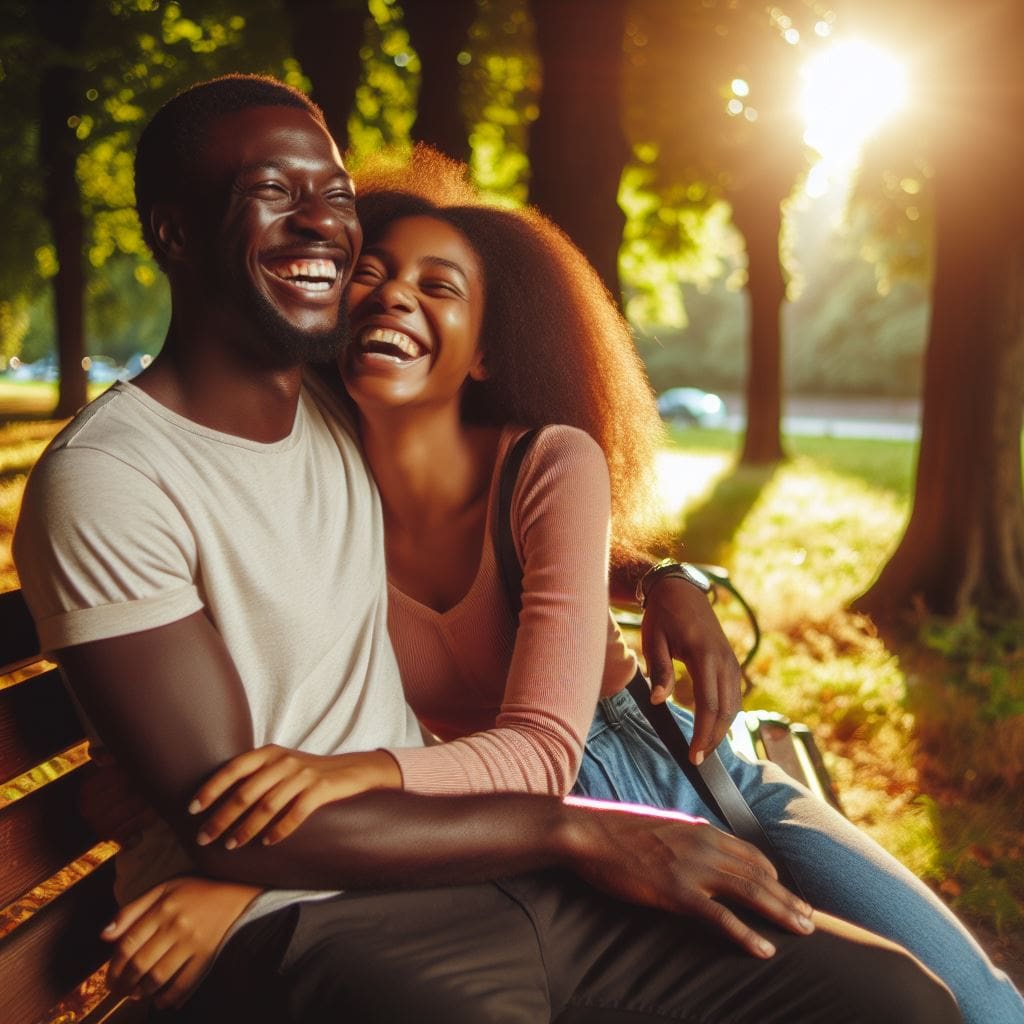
<point>668,567</point>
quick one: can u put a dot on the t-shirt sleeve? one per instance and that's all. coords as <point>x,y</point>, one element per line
<point>560,521</point>
<point>101,550</point>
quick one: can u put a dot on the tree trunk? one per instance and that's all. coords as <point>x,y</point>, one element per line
<point>327,36</point>
<point>578,148</point>
<point>438,32</point>
<point>964,542</point>
<point>62,24</point>
<point>758,217</point>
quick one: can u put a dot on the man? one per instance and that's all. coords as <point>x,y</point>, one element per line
<point>202,552</point>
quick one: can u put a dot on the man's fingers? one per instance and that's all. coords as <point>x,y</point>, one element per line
<point>723,919</point>
<point>181,985</point>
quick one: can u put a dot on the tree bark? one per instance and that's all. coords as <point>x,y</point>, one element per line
<point>62,25</point>
<point>327,36</point>
<point>578,148</point>
<point>964,543</point>
<point>438,32</point>
<point>758,217</point>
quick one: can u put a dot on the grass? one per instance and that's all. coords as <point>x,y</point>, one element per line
<point>923,733</point>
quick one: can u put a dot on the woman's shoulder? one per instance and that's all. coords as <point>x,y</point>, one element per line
<point>562,451</point>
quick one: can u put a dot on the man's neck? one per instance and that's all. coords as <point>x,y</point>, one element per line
<point>224,394</point>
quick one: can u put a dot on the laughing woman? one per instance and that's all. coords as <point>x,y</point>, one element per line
<point>470,324</point>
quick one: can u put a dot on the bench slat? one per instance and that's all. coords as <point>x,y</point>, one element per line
<point>49,955</point>
<point>37,721</point>
<point>41,833</point>
<point>19,642</point>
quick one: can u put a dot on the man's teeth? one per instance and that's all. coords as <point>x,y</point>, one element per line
<point>386,342</point>
<point>310,275</point>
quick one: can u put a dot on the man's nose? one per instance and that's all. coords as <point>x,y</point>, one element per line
<point>313,214</point>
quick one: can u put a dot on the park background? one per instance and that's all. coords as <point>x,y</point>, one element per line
<point>797,201</point>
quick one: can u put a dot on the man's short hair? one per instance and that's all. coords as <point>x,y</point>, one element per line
<point>167,155</point>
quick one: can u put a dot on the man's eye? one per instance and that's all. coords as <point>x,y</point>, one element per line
<point>340,197</point>
<point>272,189</point>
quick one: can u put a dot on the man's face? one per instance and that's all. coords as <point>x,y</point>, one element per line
<point>283,234</point>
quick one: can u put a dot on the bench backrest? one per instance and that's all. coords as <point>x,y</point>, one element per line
<point>55,873</point>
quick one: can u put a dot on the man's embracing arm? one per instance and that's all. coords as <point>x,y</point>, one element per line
<point>169,704</point>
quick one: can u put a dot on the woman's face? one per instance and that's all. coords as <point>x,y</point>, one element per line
<point>416,304</point>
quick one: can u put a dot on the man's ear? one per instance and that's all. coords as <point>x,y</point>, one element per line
<point>169,231</point>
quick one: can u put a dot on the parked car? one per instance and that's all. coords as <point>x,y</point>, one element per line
<point>42,369</point>
<point>691,406</point>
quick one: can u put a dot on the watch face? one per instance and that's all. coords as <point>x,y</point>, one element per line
<point>695,576</point>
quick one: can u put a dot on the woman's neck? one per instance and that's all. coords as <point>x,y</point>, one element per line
<point>428,465</point>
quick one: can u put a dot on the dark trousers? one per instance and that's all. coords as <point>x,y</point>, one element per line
<point>545,947</point>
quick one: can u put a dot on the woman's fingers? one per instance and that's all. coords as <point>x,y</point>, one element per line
<point>266,810</point>
<point>130,913</point>
<point>233,772</point>
<point>246,795</point>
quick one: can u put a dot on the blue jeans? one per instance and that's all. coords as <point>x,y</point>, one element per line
<point>840,869</point>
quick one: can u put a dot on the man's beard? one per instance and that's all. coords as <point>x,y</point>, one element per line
<point>278,344</point>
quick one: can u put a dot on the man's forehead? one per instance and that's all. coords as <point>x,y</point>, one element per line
<point>270,136</point>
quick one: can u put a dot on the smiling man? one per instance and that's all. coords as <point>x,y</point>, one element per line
<point>202,552</point>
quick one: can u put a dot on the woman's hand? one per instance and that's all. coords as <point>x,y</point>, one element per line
<point>270,791</point>
<point>167,937</point>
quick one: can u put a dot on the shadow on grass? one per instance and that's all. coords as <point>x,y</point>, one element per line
<point>709,526</point>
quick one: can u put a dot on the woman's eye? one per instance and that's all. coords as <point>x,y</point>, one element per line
<point>440,286</point>
<point>365,272</point>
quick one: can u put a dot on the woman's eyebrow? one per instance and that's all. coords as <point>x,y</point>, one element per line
<point>440,261</point>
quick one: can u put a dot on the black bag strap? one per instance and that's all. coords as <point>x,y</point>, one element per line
<point>710,779</point>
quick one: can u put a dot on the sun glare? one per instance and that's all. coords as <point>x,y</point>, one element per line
<point>849,90</point>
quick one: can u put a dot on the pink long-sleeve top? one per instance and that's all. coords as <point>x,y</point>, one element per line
<point>515,705</point>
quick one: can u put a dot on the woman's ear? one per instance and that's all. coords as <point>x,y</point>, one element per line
<point>478,371</point>
<point>168,224</point>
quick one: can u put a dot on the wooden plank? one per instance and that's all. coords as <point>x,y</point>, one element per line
<point>52,952</point>
<point>41,833</point>
<point>19,642</point>
<point>37,720</point>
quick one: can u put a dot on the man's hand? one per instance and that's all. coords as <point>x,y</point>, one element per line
<point>270,791</point>
<point>679,622</point>
<point>673,862</point>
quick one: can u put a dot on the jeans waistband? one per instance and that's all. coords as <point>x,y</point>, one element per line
<point>616,708</point>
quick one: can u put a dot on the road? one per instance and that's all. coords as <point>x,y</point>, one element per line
<point>892,419</point>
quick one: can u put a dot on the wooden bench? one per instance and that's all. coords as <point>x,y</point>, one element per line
<point>56,875</point>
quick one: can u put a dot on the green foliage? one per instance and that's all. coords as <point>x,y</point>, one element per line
<point>385,105</point>
<point>985,661</point>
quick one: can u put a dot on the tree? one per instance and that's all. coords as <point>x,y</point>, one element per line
<point>327,36</point>
<point>61,25</point>
<point>438,41</point>
<point>711,90</point>
<point>577,145</point>
<point>964,543</point>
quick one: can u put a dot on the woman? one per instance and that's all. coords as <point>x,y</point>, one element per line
<point>470,323</point>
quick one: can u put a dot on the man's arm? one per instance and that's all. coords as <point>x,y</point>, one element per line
<point>680,623</point>
<point>169,704</point>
